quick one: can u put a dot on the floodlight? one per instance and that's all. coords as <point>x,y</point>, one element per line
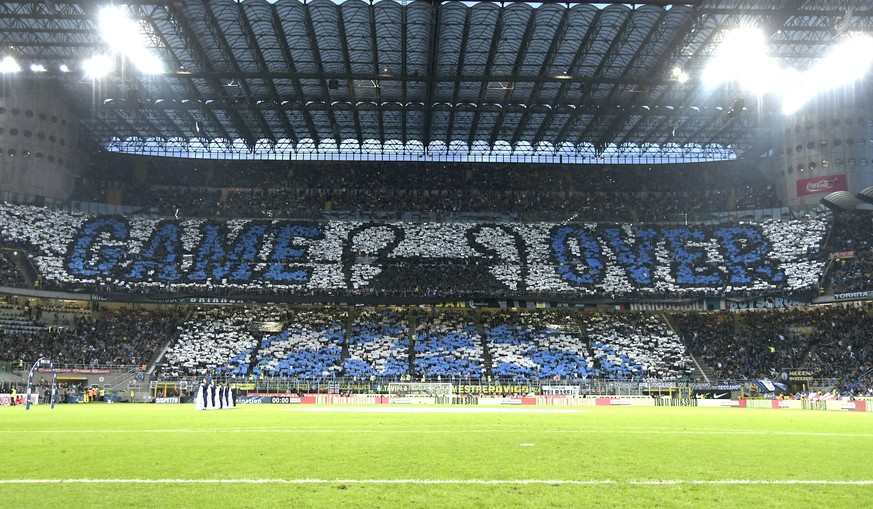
<point>126,37</point>
<point>848,62</point>
<point>9,65</point>
<point>63,68</point>
<point>742,56</point>
<point>37,68</point>
<point>116,28</point>
<point>97,66</point>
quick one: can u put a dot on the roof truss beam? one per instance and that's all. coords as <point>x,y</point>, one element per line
<point>290,65</point>
<point>271,85</point>
<point>544,71</point>
<point>525,44</point>
<point>223,46</point>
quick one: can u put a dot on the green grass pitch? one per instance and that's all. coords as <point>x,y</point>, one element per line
<point>271,456</point>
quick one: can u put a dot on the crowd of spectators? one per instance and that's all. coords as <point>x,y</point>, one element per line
<point>529,205</point>
<point>105,337</point>
<point>563,258</point>
<point>833,341</point>
<point>437,344</point>
<point>378,345</point>
<point>448,345</point>
<point>853,274</point>
<point>604,205</point>
<point>214,340</point>
<point>851,252</point>
<point>539,344</point>
<point>308,346</point>
<point>543,344</point>
<point>9,273</point>
<point>635,345</point>
<point>313,342</point>
<point>449,259</point>
<point>306,190</point>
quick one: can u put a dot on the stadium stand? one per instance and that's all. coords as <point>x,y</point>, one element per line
<point>378,345</point>
<point>308,191</point>
<point>546,344</point>
<point>521,345</point>
<point>363,343</point>
<point>108,337</point>
<point>850,268</point>
<point>637,346</point>
<point>448,345</point>
<point>419,258</point>
<point>532,344</point>
<point>494,251</point>
<point>138,254</point>
<point>9,273</point>
<point>213,340</point>
<point>700,226</point>
<point>741,346</point>
<point>309,346</point>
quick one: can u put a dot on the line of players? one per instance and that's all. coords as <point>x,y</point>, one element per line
<point>212,396</point>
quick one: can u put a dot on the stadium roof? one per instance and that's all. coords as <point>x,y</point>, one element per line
<point>271,79</point>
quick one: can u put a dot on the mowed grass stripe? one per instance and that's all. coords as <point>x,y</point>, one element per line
<point>556,482</point>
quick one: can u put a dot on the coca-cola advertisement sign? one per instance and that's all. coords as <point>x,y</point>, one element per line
<point>823,184</point>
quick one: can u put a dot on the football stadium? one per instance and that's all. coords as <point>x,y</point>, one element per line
<point>408,253</point>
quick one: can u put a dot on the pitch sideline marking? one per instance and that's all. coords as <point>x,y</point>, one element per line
<point>618,431</point>
<point>556,482</point>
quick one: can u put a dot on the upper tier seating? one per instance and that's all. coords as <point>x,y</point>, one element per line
<point>135,254</point>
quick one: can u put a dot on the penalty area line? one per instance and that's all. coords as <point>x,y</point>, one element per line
<point>484,482</point>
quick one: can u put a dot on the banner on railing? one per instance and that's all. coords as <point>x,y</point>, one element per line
<point>494,389</point>
<point>798,374</point>
<point>712,394</point>
<point>692,305</point>
<point>6,399</point>
<point>769,302</point>
<point>841,254</point>
<point>866,294</point>
<point>80,371</point>
<point>563,390</point>
<point>275,399</point>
